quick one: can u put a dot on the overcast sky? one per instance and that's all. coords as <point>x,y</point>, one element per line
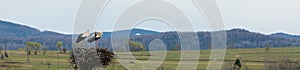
<point>265,16</point>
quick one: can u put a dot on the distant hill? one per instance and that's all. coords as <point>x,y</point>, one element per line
<point>17,35</point>
<point>284,35</point>
<point>10,29</point>
<point>240,38</point>
<point>132,32</point>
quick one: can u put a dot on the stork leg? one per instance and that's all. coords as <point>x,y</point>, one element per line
<point>96,44</point>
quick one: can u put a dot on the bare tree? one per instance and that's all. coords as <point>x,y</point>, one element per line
<point>267,47</point>
<point>267,56</point>
<point>5,53</point>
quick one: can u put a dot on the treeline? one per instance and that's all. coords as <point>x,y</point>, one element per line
<point>36,46</point>
<point>15,43</point>
<point>236,38</point>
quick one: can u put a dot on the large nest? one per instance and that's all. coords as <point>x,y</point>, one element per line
<point>90,58</point>
<point>106,56</point>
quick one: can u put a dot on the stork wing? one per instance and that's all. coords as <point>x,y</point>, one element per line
<point>80,38</point>
<point>96,36</point>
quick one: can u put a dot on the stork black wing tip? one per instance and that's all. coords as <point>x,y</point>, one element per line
<point>80,38</point>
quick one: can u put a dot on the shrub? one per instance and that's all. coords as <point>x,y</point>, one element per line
<point>285,64</point>
<point>64,50</point>
<point>136,46</point>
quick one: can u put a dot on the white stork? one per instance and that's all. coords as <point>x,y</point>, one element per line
<point>89,37</point>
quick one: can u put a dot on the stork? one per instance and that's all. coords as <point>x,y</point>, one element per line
<point>93,37</point>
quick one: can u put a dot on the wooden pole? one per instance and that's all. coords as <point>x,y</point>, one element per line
<point>27,54</point>
<point>5,52</point>
<point>1,56</point>
<point>57,60</point>
<point>1,47</point>
<point>5,46</point>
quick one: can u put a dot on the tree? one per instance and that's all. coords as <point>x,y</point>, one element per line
<point>59,45</point>
<point>32,45</point>
<point>36,47</point>
<point>136,46</point>
<point>29,46</point>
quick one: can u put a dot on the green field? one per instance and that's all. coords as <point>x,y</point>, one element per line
<point>254,59</point>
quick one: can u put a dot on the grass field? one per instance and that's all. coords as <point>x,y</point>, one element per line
<point>254,59</point>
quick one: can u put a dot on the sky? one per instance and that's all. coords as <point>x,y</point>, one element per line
<point>264,16</point>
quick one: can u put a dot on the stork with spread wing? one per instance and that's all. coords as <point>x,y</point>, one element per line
<point>90,37</point>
